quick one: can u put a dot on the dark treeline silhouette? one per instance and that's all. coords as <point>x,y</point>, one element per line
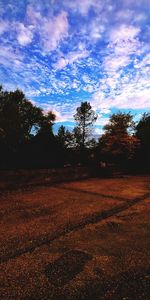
<point>27,139</point>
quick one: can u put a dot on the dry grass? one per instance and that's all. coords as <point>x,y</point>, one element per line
<point>79,240</point>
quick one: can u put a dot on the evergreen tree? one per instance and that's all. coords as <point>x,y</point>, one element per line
<point>85,117</point>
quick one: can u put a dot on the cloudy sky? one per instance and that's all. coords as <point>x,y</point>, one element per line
<point>62,52</point>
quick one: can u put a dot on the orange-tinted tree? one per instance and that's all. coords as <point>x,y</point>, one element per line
<point>118,143</point>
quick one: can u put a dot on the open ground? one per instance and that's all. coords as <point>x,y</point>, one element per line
<point>83,240</point>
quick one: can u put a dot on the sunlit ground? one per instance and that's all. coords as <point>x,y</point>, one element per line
<point>79,240</point>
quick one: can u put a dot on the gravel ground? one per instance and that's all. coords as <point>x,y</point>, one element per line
<point>87,239</point>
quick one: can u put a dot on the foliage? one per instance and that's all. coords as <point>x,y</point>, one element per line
<point>85,117</point>
<point>65,137</point>
<point>27,139</point>
<point>18,116</point>
<point>122,123</point>
<point>24,129</point>
<point>46,122</point>
<point>143,130</point>
<point>143,134</point>
<point>118,143</point>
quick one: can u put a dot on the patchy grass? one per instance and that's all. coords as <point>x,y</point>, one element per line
<point>78,240</point>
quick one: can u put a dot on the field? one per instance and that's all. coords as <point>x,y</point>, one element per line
<point>86,239</point>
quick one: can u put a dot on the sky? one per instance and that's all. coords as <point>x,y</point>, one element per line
<point>62,52</point>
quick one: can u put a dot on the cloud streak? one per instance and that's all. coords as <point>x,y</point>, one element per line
<point>70,59</point>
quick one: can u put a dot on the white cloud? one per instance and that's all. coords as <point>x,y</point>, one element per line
<point>82,7</point>
<point>88,88</point>
<point>3,27</point>
<point>61,63</point>
<point>132,98</point>
<point>124,15</point>
<point>124,33</point>
<point>113,63</point>
<point>63,113</point>
<point>123,43</point>
<point>98,131</point>
<point>49,107</point>
<point>54,31</point>
<point>70,59</point>
<point>120,88</point>
<point>86,78</point>
<point>51,29</point>
<point>129,95</point>
<point>9,57</point>
<point>33,92</point>
<point>143,63</point>
<point>105,111</point>
<point>74,85</point>
<point>96,28</point>
<point>33,16</point>
<point>102,121</point>
<point>24,35</point>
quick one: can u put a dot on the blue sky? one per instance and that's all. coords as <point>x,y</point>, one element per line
<point>62,52</point>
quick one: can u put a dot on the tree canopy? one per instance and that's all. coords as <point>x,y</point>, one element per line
<point>27,138</point>
<point>18,116</point>
<point>85,117</point>
<point>22,124</point>
<point>118,143</point>
<point>143,129</point>
<point>143,134</point>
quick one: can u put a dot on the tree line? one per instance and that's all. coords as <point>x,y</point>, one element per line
<point>27,139</point>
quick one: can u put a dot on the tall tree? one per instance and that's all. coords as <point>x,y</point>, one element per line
<point>143,134</point>
<point>65,137</point>
<point>62,135</point>
<point>85,117</point>
<point>45,131</point>
<point>18,117</point>
<point>118,143</point>
<point>44,143</point>
<point>143,130</point>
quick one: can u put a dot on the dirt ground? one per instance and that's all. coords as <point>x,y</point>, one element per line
<point>85,240</point>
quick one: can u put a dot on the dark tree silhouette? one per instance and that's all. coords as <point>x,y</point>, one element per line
<point>45,143</point>
<point>65,137</point>
<point>143,134</point>
<point>143,130</point>
<point>27,139</point>
<point>62,135</point>
<point>85,117</point>
<point>18,117</point>
<point>46,123</point>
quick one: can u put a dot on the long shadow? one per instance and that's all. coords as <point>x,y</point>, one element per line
<point>91,193</point>
<point>32,211</point>
<point>89,219</point>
